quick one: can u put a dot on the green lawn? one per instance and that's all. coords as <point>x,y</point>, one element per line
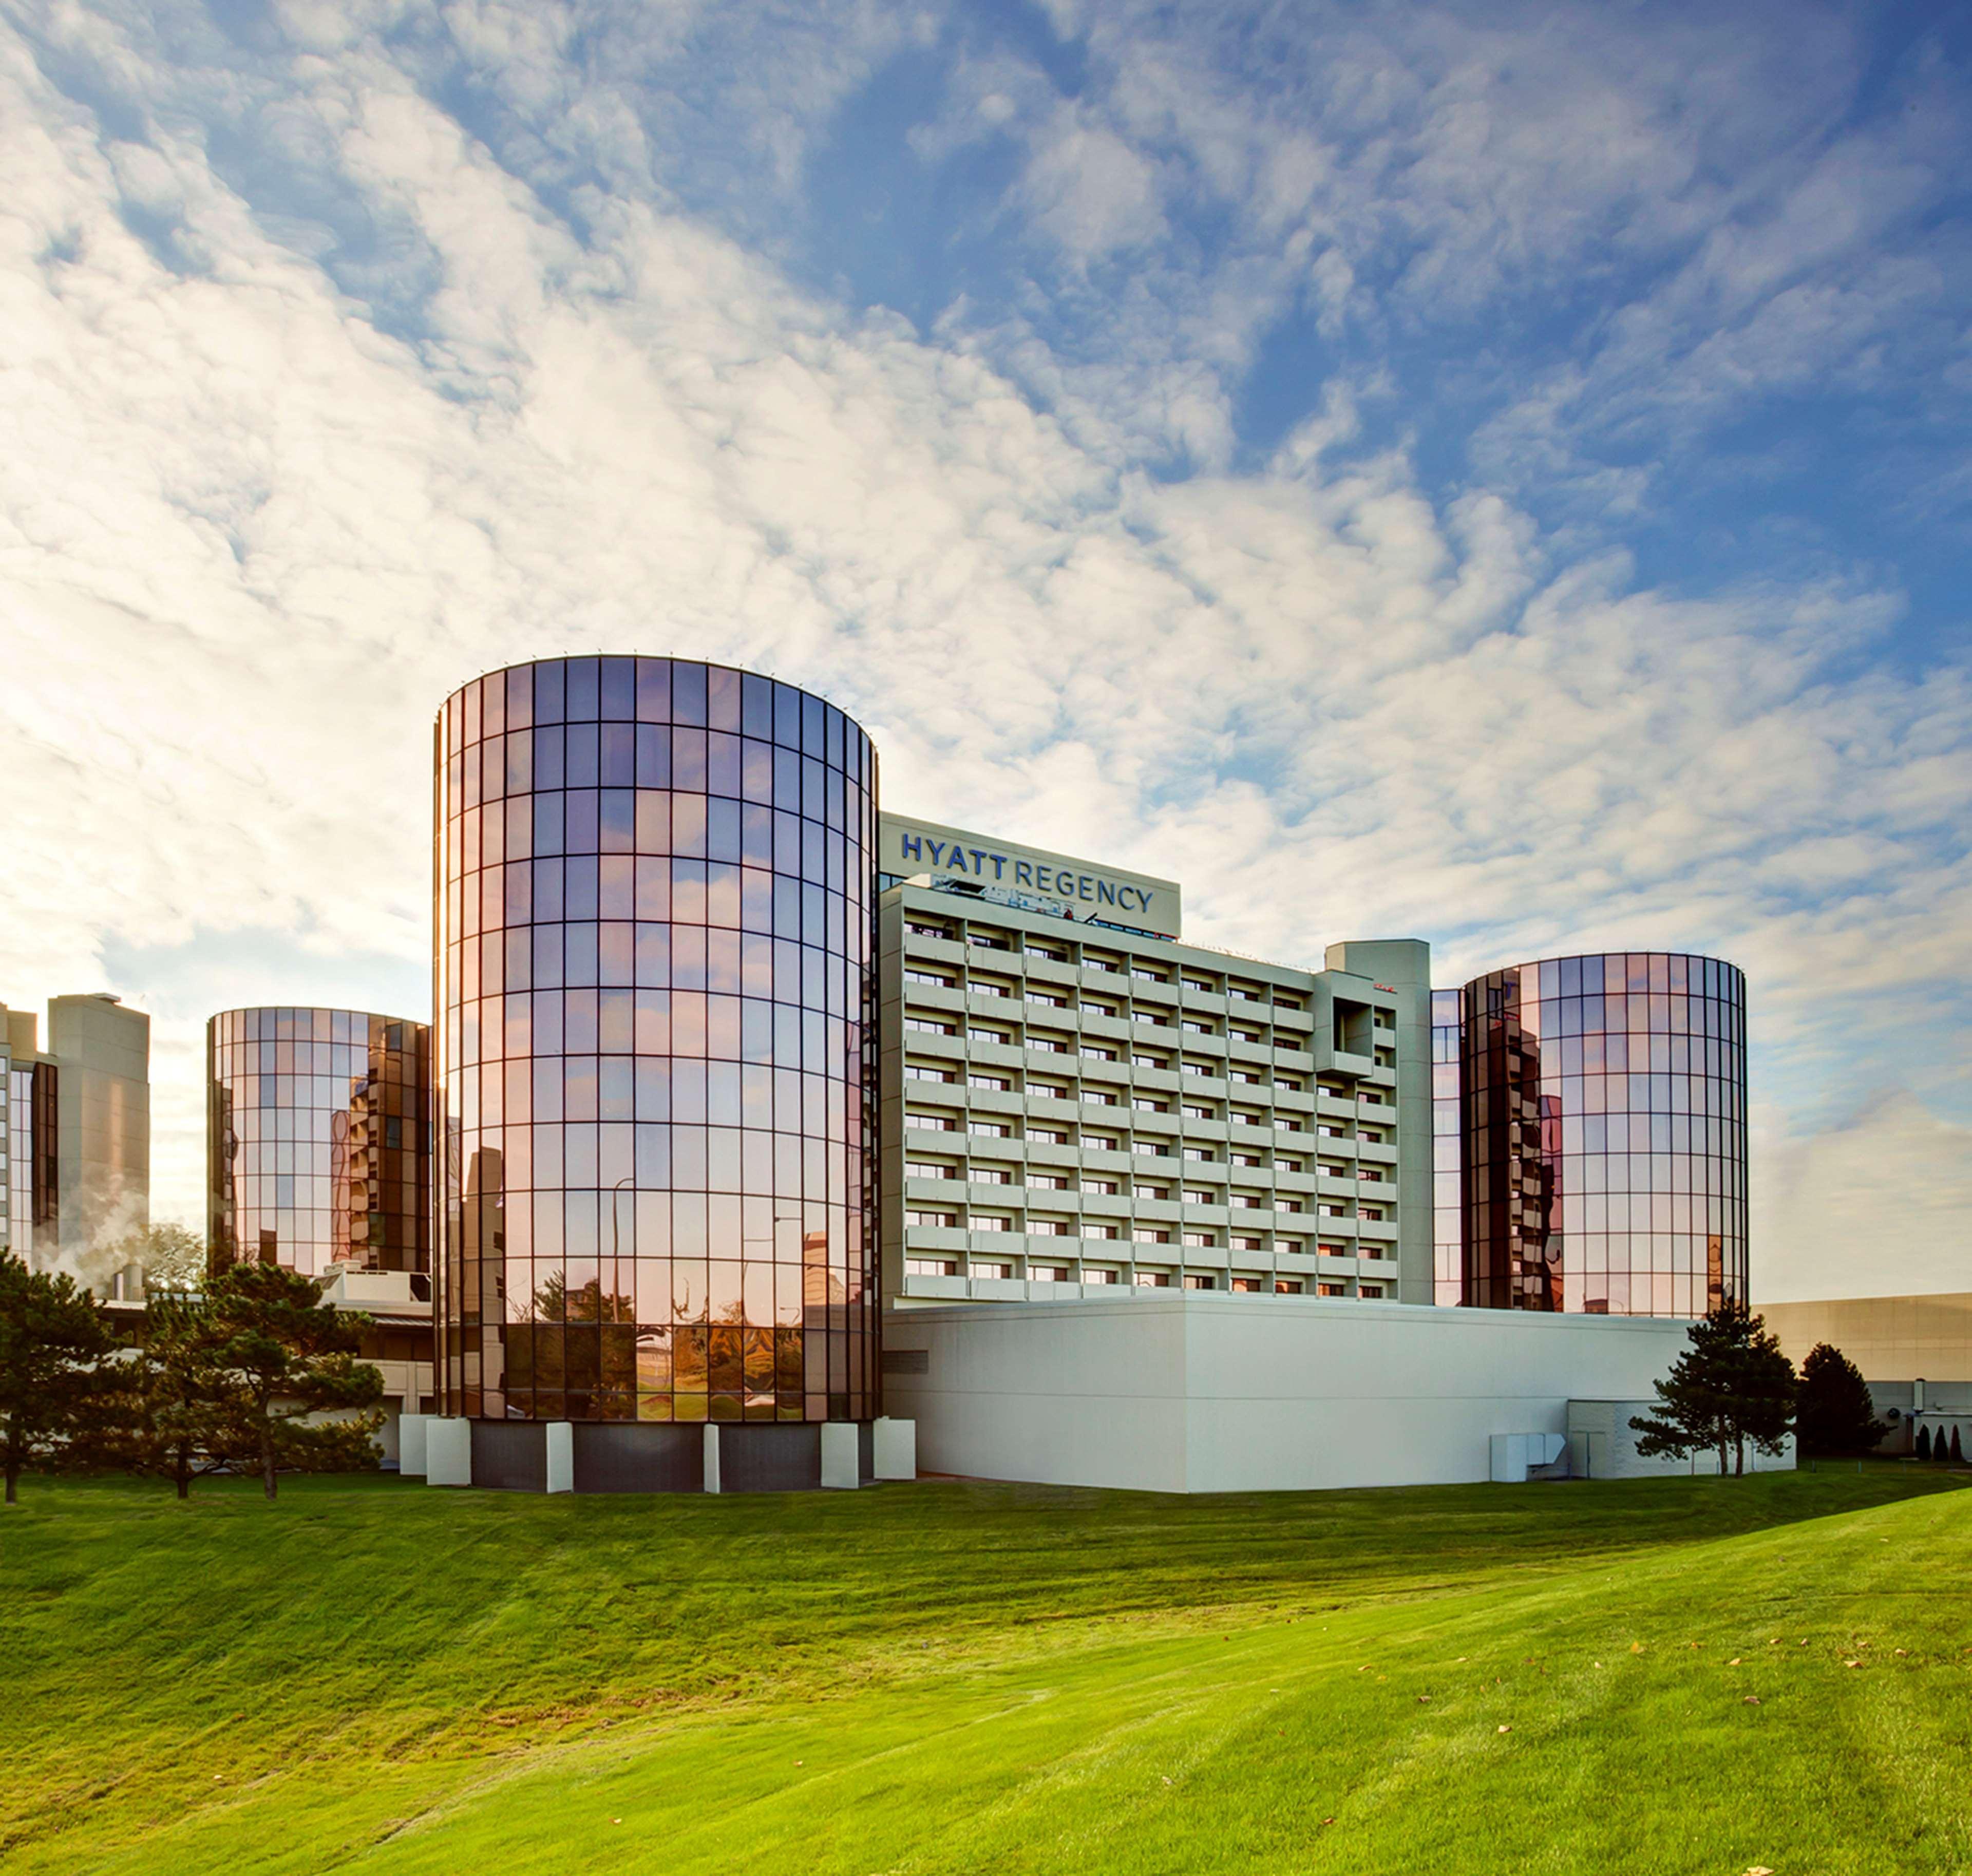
<point>1676,1675</point>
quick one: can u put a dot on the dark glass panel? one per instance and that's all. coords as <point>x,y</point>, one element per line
<point>688,694</point>
<point>722,698</point>
<point>618,689</point>
<point>654,690</point>
<point>584,689</point>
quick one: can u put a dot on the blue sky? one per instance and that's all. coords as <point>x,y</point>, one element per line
<point>1493,473</point>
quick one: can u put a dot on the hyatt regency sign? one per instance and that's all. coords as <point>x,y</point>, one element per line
<point>909,848</point>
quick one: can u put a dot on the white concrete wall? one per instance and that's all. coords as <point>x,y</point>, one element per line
<point>1195,1394</point>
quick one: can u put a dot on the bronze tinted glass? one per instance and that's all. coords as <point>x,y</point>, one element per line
<point>318,1139</point>
<point>1602,1135</point>
<point>654,897</point>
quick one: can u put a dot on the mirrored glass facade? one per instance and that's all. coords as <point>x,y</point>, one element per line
<point>655,885</point>
<point>318,1139</point>
<point>1590,1136</point>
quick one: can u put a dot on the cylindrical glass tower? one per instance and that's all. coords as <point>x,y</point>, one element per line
<point>1598,1157</point>
<point>318,1139</point>
<point>655,885</point>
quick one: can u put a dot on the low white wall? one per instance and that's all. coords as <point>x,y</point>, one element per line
<point>1188,1394</point>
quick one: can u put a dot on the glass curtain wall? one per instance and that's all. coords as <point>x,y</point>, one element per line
<point>1603,1161</point>
<point>655,893</point>
<point>1448,1216</point>
<point>318,1139</point>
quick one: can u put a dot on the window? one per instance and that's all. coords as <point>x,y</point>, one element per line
<point>983,985</point>
<point>1374,1212</point>
<point>931,1220</point>
<point>926,930</point>
<point>920,1071</point>
<point>1048,1136</point>
<point>1283,1123</point>
<point>934,1123</point>
<point>1091,1006</point>
<point>928,1168</point>
<point>1047,1181</point>
<point>1245,992</point>
<point>1151,1016</point>
<point>1286,1205</point>
<point>1195,1029</point>
<point>988,941</point>
<point>1048,1045</point>
<point>1199,1195</point>
<point>998,1272</point>
<point>1253,1201</point>
<point>985,1032</point>
<point>1157,1150</point>
<point>1248,1077</point>
<point>1151,1062</point>
<point>1246,1285</point>
<point>1094,1276</point>
<point>1246,1243</point>
<point>932,977</point>
<point>992,1176</point>
<point>1373,1291</point>
<point>924,1026</point>
<point>1375,1252</point>
<point>988,1221</point>
<point>1198,1279</point>
<point>1292,1247</point>
<point>1149,1233</point>
<point>1050,1273</point>
<point>1199,1241</point>
<point>1332,1210</point>
<point>1202,1154</point>
<point>1047,998</point>
<point>1331,1290</point>
<point>1286,1003</point>
<point>1147,1104</point>
<point>1143,974</point>
<point>1049,1228</point>
<point>931,1267</point>
<point>992,1084</point>
<point>1096,1051</point>
<point>1246,1158</point>
<point>1102,1096</point>
<point>1099,1231</point>
<point>1054,1091</point>
<point>1283,1163</point>
<point>1375,1174</point>
<point>1334,1132</point>
<point>993,1130</point>
<point>1249,1036</point>
<point>1292,1083</point>
<point>1153,1280</point>
<point>1250,1117</point>
<point>1194,1110</point>
<point>1103,1142</point>
<point>1099,1184</point>
<point>1331,1249</point>
<point>1161,1192</point>
<point>1047,951</point>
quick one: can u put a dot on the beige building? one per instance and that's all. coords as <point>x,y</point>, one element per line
<point>1914,1352</point>
<point>77,1136</point>
<point>1076,1103</point>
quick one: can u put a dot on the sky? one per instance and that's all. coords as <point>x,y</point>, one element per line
<point>1498,473</point>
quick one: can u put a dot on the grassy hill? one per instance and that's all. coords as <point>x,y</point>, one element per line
<point>1673,1675</point>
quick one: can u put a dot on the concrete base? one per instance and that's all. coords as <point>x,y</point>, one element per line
<point>411,1444</point>
<point>895,1444</point>
<point>1602,1444</point>
<point>448,1452</point>
<point>841,1444</point>
<point>711,1456</point>
<point>1251,1393</point>
<point>561,1455</point>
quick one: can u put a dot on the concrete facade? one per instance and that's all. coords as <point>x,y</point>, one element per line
<point>1198,1393</point>
<point>1914,1352</point>
<point>1070,1107</point>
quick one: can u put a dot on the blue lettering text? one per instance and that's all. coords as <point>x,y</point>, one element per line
<point>1085,887</point>
<point>937,849</point>
<point>1106,892</point>
<point>1023,874</point>
<point>913,847</point>
<point>999,865</point>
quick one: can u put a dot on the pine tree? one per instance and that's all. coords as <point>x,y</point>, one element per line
<point>1835,1414</point>
<point>1957,1451</point>
<point>167,1416</point>
<point>1923,1442</point>
<point>55,1342</point>
<point>1733,1384</point>
<point>285,1356</point>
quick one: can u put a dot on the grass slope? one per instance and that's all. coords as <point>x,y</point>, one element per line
<point>372,1675</point>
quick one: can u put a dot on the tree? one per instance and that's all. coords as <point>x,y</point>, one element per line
<point>1957,1451</point>
<point>167,1414</point>
<point>1732,1385</point>
<point>1835,1413</point>
<point>1923,1442</point>
<point>169,1255</point>
<point>53,1337</point>
<point>284,1356</point>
